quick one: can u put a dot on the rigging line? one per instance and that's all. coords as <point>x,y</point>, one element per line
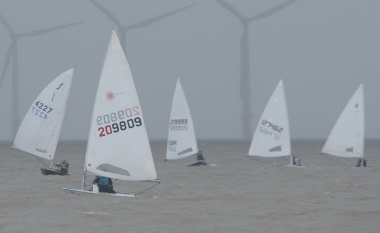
<point>148,188</point>
<point>263,161</point>
<point>334,160</point>
<point>169,161</point>
<point>350,162</point>
<point>276,160</point>
<point>41,162</point>
<point>287,162</point>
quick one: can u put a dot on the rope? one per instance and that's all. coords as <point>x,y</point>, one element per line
<point>287,162</point>
<point>169,161</point>
<point>350,162</point>
<point>335,160</point>
<point>263,161</point>
<point>42,162</point>
<point>148,188</point>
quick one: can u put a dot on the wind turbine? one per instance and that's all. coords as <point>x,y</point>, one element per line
<point>12,54</point>
<point>123,29</point>
<point>245,76</point>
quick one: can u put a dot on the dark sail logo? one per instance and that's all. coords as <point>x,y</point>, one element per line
<point>60,86</point>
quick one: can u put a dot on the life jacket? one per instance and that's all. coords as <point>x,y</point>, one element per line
<point>296,161</point>
<point>64,166</point>
<point>103,180</point>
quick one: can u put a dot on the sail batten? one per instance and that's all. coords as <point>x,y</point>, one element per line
<point>39,131</point>
<point>118,145</point>
<point>272,135</point>
<point>347,137</point>
<point>181,138</point>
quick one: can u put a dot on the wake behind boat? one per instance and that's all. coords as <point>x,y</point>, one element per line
<point>39,131</point>
<point>118,145</point>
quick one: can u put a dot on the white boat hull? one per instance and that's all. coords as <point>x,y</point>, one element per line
<point>84,192</point>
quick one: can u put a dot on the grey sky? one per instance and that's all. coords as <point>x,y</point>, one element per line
<point>322,49</point>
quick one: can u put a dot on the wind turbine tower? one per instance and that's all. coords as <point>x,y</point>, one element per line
<point>12,54</point>
<point>245,76</point>
<point>123,29</point>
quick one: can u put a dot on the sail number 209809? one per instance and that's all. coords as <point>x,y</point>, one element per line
<point>120,121</point>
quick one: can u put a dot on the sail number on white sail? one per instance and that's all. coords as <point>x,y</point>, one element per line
<point>114,123</point>
<point>268,127</point>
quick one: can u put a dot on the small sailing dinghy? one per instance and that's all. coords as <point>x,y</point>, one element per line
<point>39,131</point>
<point>118,145</point>
<point>347,137</point>
<point>272,135</point>
<point>181,138</point>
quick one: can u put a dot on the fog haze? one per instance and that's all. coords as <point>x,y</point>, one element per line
<point>322,49</point>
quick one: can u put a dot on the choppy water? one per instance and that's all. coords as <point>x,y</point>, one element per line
<point>235,194</point>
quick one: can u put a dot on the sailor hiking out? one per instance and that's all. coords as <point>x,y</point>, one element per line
<point>105,184</point>
<point>64,166</point>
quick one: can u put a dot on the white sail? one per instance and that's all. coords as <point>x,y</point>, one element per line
<point>118,145</point>
<point>272,135</point>
<point>39,131</point>
<point>181,139</point>
<point>347,137</point>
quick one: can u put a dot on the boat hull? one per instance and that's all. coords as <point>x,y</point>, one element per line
<point>84,192</point>
<point>295,166</point>
<point>198,163</point>
<point>47,171</point>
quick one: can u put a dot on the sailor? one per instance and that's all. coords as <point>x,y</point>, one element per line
<point>200,156</point>
<point>359,164</point>
<point>64,166</point>
<point>105,184</point>
<point>296,161</point>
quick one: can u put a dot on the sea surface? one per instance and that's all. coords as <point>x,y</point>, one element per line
<point>233,194</point>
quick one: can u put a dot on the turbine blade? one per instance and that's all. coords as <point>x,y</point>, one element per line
<point>230,8</point>
<point>157,18</point>
<point>7,60</point>
<point>107,13</point>
<point>46,30</point>
<point>271,11</point>
<point>6,24</point>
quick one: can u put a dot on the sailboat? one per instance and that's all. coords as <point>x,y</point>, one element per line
<point>118,145</point>
<point>181,139</point>
<point>272,135</point>
<point>39,131</point>
<point>347,137</point>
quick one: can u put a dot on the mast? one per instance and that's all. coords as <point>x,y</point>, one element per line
<point>84,180</point>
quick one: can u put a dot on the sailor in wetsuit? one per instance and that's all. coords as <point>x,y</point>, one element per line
<point>200,156</point>
<point>64,166</point>
<point>105,184</point>
<point>296,161</point>
<point>359,164</point>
